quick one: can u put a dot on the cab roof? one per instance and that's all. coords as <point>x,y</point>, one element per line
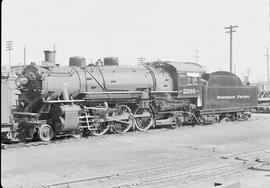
<point>186,66</point>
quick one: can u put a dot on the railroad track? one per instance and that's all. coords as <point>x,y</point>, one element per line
<point>38,143</point>
<point>182,173</point>
<point>57,140</point>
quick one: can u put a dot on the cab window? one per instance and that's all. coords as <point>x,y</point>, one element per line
<point>192,80</point>
<point>182,79</point>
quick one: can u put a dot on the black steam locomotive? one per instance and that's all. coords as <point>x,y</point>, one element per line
<point>94,99</point>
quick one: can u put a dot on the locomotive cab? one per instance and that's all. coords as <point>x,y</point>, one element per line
<point>189,81</point>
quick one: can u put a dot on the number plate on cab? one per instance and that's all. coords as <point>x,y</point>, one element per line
<point>189,91</point>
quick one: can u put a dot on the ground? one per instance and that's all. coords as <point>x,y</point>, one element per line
<point>89,157</point>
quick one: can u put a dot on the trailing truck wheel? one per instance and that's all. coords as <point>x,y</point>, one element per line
<point>122,126</point>
<point>144,123</point>
<point>45,133</point>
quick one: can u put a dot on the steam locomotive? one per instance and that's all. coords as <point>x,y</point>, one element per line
<point>95,99</point>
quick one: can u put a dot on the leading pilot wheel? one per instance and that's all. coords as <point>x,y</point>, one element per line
<point>144,123</point>
<point>45,133</point>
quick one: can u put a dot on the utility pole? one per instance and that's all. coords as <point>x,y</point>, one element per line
<point>267,61</point>
<point>269,18</point>
<point>196,55</point>
<point>24,55</point>
<point>231,31</point>
<point>248,74</point>
<point>9,45</point>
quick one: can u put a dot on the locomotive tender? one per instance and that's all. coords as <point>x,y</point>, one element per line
<point>94,99</point>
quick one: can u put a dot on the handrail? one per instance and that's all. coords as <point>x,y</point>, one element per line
<point>62,101</point>
<point>126,92</point>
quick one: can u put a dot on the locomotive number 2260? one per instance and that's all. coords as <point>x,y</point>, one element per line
<point>189,91</point>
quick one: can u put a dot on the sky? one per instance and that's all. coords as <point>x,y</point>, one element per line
<point>128,29</point>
